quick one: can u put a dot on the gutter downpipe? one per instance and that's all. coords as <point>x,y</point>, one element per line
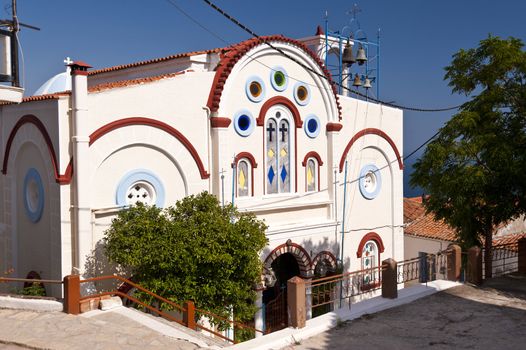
<point>343,226</point>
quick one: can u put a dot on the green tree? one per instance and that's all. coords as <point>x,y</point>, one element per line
<point>474,171</point>
<point>196,251</point>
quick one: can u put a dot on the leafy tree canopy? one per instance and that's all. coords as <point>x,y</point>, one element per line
<point>475,170</point>
<point>196,251</point>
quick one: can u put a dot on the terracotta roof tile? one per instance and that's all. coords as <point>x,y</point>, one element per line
<point>508,239</point>
<point>413,209</point>
<point>53,96</point>
<point>155,60</point>
<point>131,82</point>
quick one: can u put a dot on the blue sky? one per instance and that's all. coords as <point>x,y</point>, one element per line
<point>418,39</point>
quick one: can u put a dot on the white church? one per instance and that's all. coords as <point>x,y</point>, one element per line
<point>246,123</point>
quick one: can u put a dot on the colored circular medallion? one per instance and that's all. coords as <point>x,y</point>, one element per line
<point>33,195</point>
<point>311,125</point>
<point>244,123</point>
<point>278,78</point>
<point>255,89</point>
<point>141,186</point>
<point>370,181</point>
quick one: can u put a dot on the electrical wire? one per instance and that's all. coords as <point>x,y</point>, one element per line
<point>390,104</point>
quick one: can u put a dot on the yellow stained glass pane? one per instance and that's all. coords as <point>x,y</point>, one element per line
<point>283,152</point>
<point>310,176</point>
<point>270,153</point>
<point>242,179</point>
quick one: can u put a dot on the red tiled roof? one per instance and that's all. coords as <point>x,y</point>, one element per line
<point>413,209</point>
<point>138,81</point>
<point>53,96</point>
<point>235,52</point>
<point>508,239</point>
<point>155,60</point>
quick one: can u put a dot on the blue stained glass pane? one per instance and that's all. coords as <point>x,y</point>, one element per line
<point>283,173</point>
<point>312,125</point>
<point>271,174</point>
<point>243,122</point>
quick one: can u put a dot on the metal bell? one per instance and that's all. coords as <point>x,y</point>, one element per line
<point>367,83</point>
<point>361,57</point>
<point>357,81</point>
<point>348,57</point>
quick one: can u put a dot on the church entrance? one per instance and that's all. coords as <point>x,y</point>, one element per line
<point>285,267</point>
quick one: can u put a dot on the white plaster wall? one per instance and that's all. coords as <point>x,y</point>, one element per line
<point>413,245</point>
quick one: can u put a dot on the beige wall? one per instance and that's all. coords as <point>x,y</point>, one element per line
<point>413,245</point>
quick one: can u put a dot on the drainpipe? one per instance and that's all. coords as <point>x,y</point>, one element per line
<point>81,172</point>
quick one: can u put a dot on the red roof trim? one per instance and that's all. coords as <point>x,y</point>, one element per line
<point>153,61</point>
<point>218,122</point>
<point>246,155</point>
<point>97,134</point>
<point>334,127</point>
<point>235,52</point>
<point>371,131</point>
<point>31,119</point>
<point>131,82</point>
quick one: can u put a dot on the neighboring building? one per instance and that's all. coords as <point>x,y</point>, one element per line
<point>243,122</point>
<point>423,233</point>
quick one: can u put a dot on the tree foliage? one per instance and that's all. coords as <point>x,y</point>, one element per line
<point>196,251</point>
<point>475,170</point>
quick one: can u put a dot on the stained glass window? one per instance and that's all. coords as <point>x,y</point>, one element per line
<point>243,178</point>
<point>278,149</point>
<point>312,175</point>
<point>369,261</point>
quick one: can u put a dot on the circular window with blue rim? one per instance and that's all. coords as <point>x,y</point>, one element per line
<point>370,181</point>
<point>244,123</point>
<point>33,195</point>
<point>140,185</point>
<point>302,94</point>
<point>279,78</point>
<point>255,89</point>
<point>311,125</point>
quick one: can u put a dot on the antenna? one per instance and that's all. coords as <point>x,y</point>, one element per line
<point>10,73</point>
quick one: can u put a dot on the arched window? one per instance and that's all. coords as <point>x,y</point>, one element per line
<point>370,260</point>
<point>244,178</point>
<point>278,151</point>
<point>311,175</point>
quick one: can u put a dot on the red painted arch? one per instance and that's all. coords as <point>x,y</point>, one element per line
<point>253,164</point>
<point>371,236</point>
<point>260,121</point>
<point>231,55</point>
<point>31,119</point>
<point>97,134</point>
<point>371,131</point>
<point>299,253</point>
<point>312,154</point>
<point>325,255</point>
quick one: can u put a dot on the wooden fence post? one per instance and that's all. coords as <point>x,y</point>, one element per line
<point>454,262</point>
<point>522,255</point>
<point>297,307</point>
<point>189,315</point>
<point>72,294</point>
<point>389,279</point>
<point>474,265</point>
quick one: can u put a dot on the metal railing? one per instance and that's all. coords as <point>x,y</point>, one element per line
<point>189,311</point>
<point>330,290</point>
<point>505,259</point>
<point>410,270</point>
<point>41,282</point>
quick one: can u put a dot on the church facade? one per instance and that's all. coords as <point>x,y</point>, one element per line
<point>261,128</point>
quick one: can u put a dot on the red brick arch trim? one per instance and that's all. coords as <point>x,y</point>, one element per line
<point>325,256</point>
<point>299,253</point>
<point>371,236</point>
<point>31,119</point>
<point>235,52</point>
<point>371,131</point>
<point>246,155</point>
<point>276,100</point>
<point>97,134</point>
<point>312,154</point>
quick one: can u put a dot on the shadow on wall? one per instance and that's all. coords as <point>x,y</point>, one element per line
<point>97,264</point>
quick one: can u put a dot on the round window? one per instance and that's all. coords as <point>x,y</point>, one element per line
<point>140,186</point>
<point>244,123</point>
<point>370,181</point>
<point>312,126</point>
<point>255,89</point>
<point>278,78</point>
<point>302,94</point>
<point>33,195</point>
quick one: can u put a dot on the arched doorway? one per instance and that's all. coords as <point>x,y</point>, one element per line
<point>284,262</point>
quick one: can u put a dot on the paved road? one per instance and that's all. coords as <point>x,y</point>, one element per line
<point>490,317</point>
<point>57,330</point>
